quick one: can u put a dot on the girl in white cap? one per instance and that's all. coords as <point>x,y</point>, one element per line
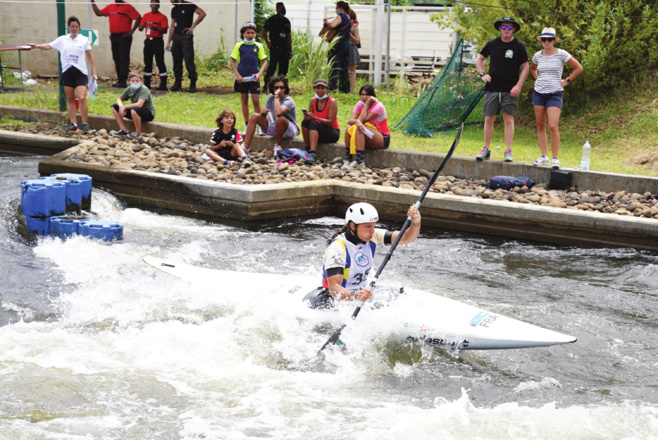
<point>547,66</point>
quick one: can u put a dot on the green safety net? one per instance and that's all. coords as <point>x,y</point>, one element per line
<point>448,100</point>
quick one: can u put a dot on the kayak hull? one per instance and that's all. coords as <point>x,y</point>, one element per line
<point>415,316</point>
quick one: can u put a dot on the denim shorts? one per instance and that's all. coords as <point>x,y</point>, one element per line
<point>547,99</point>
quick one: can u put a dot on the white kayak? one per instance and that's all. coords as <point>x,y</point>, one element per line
<point>416,316</point>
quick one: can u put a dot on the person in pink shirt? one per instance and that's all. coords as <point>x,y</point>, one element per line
<point>367,128</point>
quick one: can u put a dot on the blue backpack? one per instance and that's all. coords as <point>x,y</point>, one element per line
<point>509,182</point>
<point>291,155</point>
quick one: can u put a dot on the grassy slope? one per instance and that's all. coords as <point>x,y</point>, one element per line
<point>620,126</point>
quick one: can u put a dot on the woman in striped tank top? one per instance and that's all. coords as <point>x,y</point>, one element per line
<point>547,66</point>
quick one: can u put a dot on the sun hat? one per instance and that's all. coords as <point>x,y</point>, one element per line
<point>320,82</point>
<point>548,33</point>
<point>507,20</point>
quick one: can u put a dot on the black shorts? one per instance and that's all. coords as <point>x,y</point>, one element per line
<point>252,87</point>
<point>326,134</point>
<point>72,77</point>
<point>144,114</point>
<point>225,153</point>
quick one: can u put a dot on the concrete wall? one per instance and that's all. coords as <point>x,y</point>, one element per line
<point>21,23</point>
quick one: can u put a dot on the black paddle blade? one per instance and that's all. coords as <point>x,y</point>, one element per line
<point>334,338</point>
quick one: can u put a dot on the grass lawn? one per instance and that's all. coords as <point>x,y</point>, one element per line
<point>621,126</point>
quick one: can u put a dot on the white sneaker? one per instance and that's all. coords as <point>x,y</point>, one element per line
<point>543,160</point>
<point>555,163</point>
<point>277,147</point>
<point>354,164</point>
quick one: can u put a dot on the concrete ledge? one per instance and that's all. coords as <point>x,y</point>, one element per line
<point>459,166</point>
<point>27,143</point>
<point>331,197</point>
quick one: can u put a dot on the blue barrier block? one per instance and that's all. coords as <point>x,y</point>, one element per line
<point>73,191</point>
<point>102,229</point>
<point>85,182</point>
<point>38,225</point>
<point>43,198</point>
<point>65,226</point>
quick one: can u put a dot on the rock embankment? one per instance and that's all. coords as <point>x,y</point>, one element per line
<point>177,156</point>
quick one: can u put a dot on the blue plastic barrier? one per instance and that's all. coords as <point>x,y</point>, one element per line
<point>65,226</point>
<point>38,225</point>
<point>85,183</point>
<point>43,198</point>
<point>102,229</point>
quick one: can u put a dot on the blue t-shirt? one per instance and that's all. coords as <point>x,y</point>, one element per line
<point>247,56</point>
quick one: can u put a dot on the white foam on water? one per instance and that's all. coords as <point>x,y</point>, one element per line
<point>139,354</point>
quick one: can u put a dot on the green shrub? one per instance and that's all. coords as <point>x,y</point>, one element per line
<point>309,61</point>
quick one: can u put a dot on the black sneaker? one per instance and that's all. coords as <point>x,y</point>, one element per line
<point>311,158</point>
<point>122,133</point>
<point>85,128</point>
<point>73,128</point>
<point>119,85</point>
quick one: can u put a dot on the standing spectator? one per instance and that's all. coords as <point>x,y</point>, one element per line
<point>503,82</point>
<point>182,33</point>
<point>156,25</point>
<point>244,62</point>
<point>546,68</point>
<point>279,42</point>
<point>355,43</point>
<point>320,124</point>
<point>122,29</point>
<point>278,118</point>
<point>341,50</point>
<point>72,50</point>
<point>141,107</point>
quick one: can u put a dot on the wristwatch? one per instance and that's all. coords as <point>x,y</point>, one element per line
<point>483,73</point>
<point>568,80</point>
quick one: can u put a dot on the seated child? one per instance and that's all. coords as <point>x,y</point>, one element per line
<point>225,143</point>
<point>140,110</point>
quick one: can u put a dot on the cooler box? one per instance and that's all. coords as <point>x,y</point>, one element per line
<point>85,183</point>
<point>560,179</point>
<point>102,229</point>
<point>43,198</point>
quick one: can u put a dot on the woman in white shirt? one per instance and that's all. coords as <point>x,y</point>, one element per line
<point>72,50</point>
<point>547,66</point>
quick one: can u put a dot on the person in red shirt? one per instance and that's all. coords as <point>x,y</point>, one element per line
<point>122,28</point>
<point>156,25</point>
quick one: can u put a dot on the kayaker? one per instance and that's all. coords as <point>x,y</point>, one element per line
<point>350,252</point>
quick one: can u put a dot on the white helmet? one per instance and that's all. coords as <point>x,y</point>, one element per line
<point>361,213</point>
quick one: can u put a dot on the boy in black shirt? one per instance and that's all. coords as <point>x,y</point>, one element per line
<point>226,142</point>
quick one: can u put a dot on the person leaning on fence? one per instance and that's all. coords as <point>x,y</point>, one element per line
<point>320,123</point>
<point>355,43</point>
<point>278,118</point>
<point>339,54</point>
<point>546,68</point>
<point>72,51</point>
<point>155,25</point>
<point>367,127</point>
<point>277,34</point>
<point>122,29</point>
<point>141,107</point>
<point>503,82</point>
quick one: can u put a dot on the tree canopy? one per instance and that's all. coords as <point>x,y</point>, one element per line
<point>612,39</point>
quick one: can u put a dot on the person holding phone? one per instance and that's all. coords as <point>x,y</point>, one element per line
<point>320,125</point>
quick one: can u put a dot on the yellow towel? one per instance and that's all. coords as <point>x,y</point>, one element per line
<point>352,132</point>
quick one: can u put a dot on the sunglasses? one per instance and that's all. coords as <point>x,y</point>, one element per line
<point>249,26</point>
<point>508,27</point>
<point>279,87</point>
<point>546,40</point>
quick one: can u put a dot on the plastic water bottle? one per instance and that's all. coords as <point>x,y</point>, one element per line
<point>367,132</point>
<point>584,161</point>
